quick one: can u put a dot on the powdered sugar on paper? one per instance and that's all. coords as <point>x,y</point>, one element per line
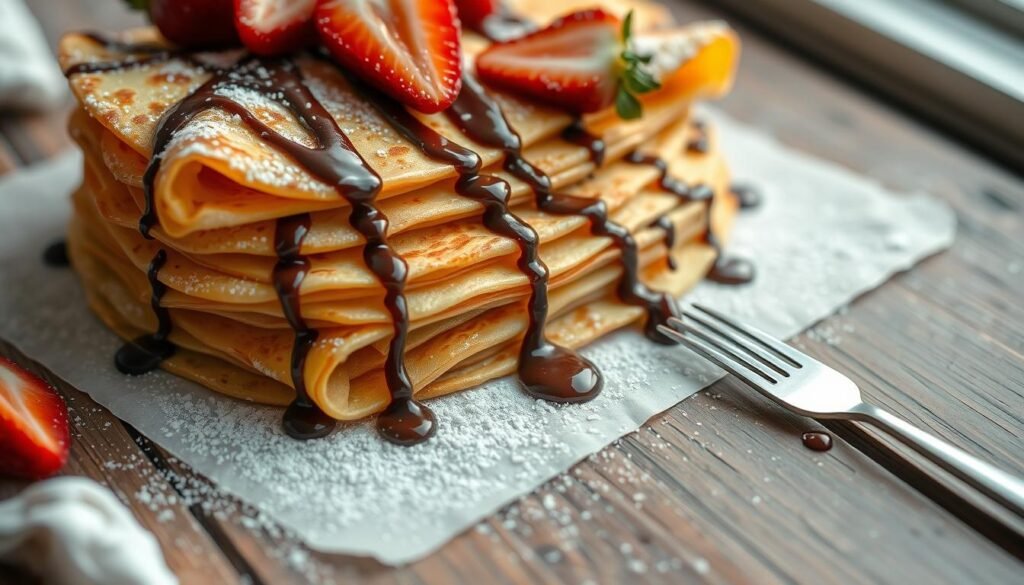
<point>822,237</point>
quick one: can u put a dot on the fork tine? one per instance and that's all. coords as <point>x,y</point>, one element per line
<point>742,343</point>
<point>708,352</point>
<point>726,349</point>
<point>780,349</point>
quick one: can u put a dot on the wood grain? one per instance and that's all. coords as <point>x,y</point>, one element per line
<point>717,489</point>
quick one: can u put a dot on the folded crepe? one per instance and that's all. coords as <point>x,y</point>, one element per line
<point>222,191</point>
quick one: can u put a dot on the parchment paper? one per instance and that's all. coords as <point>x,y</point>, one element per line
<point>823,236</point>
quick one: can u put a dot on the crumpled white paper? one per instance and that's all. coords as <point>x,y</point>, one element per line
<point>823,236</point>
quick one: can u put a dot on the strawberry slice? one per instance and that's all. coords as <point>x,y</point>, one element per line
<point>580,62</point>
<point>34,435</point>
<point>409,49</point>
<point>274,27</point>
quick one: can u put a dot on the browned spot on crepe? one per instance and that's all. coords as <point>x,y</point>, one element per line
<point>164,78</point>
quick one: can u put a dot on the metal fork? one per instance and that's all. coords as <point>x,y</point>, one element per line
<point>804,385</point>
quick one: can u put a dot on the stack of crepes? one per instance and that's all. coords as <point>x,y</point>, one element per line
<point>221,187</point>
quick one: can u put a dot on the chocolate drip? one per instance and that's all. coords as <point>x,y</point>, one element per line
<point>303,419</point>
<point>699,144</point>
<point>817,440</point>
<point>142,54</point>
<point>748,195</point>
<point>669,227</point>
<point>665,181</point>
<point>726,269</point>
<point>335,161</point>
<point>56,255</point>
<point>480,117</point>
<point>729,270</point>
<point>145,353</point>
<point>546,370</point>
<point>577,133</point>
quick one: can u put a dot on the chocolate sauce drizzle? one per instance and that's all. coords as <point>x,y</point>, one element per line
<point>699,144</point>
<point>748,195</point>
<point>666,225</point>
<point>578,134</point>
<point>302,419</point>
<point>336,162</point>
<point>546,370</point>
<point>144,353</point>
<point>480,117</point>
<point>725,269</point>
<point>56,255</point>
<point>143,54</point>
<point>817,440</point>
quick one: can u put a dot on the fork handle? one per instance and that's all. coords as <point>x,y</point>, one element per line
<point>995,483</point>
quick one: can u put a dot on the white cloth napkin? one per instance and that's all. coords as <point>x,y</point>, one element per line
<point>29,76</point>
<point>73,531</point>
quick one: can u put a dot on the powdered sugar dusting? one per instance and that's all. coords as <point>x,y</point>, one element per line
<point>822,237</point>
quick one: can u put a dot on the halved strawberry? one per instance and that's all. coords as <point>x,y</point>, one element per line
<point>274,27</point>
<point>580,62</point>
<point>408,49</point>
<point>34,435</point>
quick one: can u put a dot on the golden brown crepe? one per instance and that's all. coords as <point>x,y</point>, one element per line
<point>221,188</point>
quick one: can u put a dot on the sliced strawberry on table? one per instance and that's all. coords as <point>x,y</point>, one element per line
<point>580,62</point>
<point>193,24</point>
<point>409,49</point>
<point>34,435</point>
<point>275,27</point>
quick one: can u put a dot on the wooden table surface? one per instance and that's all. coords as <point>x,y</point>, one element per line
<point>719,488</point>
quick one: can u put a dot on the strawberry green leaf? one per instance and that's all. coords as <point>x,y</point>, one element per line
<point>634,79</point>
<point>138,4</point>
<point>638,80</point>
<point>626,104</point>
